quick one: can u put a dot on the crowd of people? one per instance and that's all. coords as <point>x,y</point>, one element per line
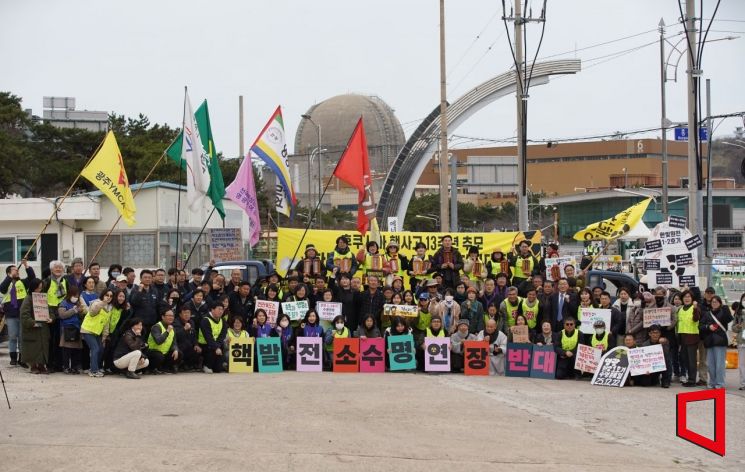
<point>171,321</point>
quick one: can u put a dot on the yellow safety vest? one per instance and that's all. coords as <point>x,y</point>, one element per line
<point>568,343</point>
<point>241,337</point>
<point>337,256</point>
<point>52,299</point>
<point>114,316</point>
<point>95,324</point>
<point>216,330</point>
<point>344,334</point>
<point>20,292</point>
<point>423,321</point>
<point>166,346</point>
<point>512,310</point>
<point>517,272</point>
<point>686,325</point>
<point>531,313</point>
<point>368,270</point>
<point>400,272</point>
<point>595,342</point>
<point>441,334</point>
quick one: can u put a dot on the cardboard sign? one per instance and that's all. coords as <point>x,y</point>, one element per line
<point>407,311</point>
<point>476,357</point>
<point>372,355</point>
<point>555,266</point>
<point>518,360</point>
<point>684,259</point>
<point>647,360</point>
<point>269,355</point>
<point>677,221</point>
<point>653,245</point>
<point>588,316</point>
<point>295,310</point>
<point>241,356</point>
<point>271,309</point>
<point>327,311</point>
<point>401,352</point>
<point>309,354</point>
<point>346,355</point>
<point>543,362</point>
<point>520,334</point>
<point>226,244</point>
<point>437,354</point>
<point>587,358</point>
<point>41,307</point>
<point>651,264</point>
<point>693,242</point>
<point>659,316</point>
<point>613,368</point>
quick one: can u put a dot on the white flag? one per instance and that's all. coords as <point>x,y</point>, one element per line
<point>197,160</point>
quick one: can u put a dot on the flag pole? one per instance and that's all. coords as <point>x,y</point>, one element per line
<point>188,258</point>
<point>57,206</point>
<point>147,177</point>
<point>180,170</point>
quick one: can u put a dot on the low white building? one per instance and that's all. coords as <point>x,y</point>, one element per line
<point>82,222</point>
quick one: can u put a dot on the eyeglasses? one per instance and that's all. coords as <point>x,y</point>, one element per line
<point>568,324</point>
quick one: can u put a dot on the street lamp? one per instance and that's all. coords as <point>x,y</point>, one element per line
<point>320,156</point>
<point>436,219</point>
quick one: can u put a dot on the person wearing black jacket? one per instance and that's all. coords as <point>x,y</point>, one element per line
<point>212,331</point>
<point>369,302</point>
<point>344,294</point>
<point>565,346</point>
<point>448,261</point>
<point>617,319</point>
<point>15,291</point>
<point>713,327</point>
<point>563,304</point>
<point>186,339</point>
<point>144,302</point>
<point>240,303</point>
<point>130,351</point>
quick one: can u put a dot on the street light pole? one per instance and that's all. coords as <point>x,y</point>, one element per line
<point>663,119</point>
<point>443,161</point>
<point>320,158</point>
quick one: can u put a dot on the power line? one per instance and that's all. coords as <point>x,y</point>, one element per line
<point>475,40</point>
<point>598,44</point>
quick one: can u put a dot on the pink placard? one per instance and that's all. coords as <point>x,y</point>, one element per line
<point>372,355</point>
<point>437,354</point>
<point>309,354</point>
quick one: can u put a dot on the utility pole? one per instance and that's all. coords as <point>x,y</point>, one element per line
<point>663,119</point>
<point>694,196</point>
<point>521,99</point>
<point>443,154</point>
<point>709,196</point>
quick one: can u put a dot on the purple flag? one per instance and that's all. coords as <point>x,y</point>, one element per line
<point>243,192</point>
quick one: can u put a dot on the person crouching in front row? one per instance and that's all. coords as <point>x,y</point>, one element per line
<point>163,352</point>
<point>460,335</point>
<point>130,352</point>
<point>497,346</point>
<point>566,350</point>
<point>212,333</point>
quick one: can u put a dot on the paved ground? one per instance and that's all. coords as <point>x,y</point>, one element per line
<point>328,422</point>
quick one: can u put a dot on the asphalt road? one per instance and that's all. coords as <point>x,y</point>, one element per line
<point>370,422</point>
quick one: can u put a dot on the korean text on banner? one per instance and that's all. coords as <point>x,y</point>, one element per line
<point>437,354</point>
<point>241,355</point>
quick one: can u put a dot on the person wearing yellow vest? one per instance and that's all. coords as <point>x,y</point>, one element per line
<point>460,335</point>
<point>212,332</point>
<point>14,290</point>
<point>55,286</point>
<point>339,330</point>
<point>371,261</point>
<point>396,264</point>
<point>689,316</point>
<point>524,264</point>
<point>602,339</point>
<point>112,330</point>
<point>530,308</point>
<point>433,329</point>
<point>98,316</point>
<point>163,350</point>
<point>510,307</point>
<point>340,253</point>
<point>475,268</point>
<point>565,347</point>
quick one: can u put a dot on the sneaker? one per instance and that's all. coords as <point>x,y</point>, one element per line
<point>98,374</point>
<point>206,370</point>
<point>13,362</point>
<point>666,385</point>
<point>689,384</point>
<point>131,375</point>
<point>701,383</point>
<point>683,379</point>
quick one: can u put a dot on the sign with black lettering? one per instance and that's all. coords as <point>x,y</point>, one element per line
<point>684,259</point>
<point>651,264</point>
<point>664,278</point>
<point>653,245</point>
<point>677,221</point>
<point>613,368</point>
<point>693,242</point>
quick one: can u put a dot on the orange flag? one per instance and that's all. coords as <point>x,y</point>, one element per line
<point>354,169</point>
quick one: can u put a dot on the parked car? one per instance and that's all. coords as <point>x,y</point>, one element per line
<point>611,281</point>
<point>252,269</point>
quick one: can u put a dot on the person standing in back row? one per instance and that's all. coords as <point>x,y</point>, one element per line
<point>448,262</point>
<point>15,290</point>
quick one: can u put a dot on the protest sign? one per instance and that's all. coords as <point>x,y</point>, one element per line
<point>588,316</point>
<point>226,244</point>
<point>407,311</point>
<point>437,354</point>
<point>543,362</point>
<point>401,355</point>
<point>346,355</point>
<point>372,352</point>
<point>587,358</point>
<point>613,368</point>
<point>520,334</point>
<point>518,360</point>
<point>677,221</point>
<point>309,354</point>
<point>295,310</point>
<point>647,360</point>
<point>241,355</point>
<point>271,309</point>
<point>555,266</point>
<point>269,355</point>
<point>327,311</point>
<point>41,307</point>
<point>659,316</point>
<point>675,250</point>
<point>476,357</point>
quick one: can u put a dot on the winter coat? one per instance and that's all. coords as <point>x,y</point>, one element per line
<point>719,336</point>
<point>34,336</point>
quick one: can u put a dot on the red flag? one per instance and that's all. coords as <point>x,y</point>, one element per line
<point>354,169</point>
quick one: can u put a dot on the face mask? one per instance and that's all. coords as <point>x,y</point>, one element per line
<point>339,326</point>
<point>73,299</point>
<point>284,324</point>
<point>115,275</point>
<point>448,298</point>
<point>599,331</point>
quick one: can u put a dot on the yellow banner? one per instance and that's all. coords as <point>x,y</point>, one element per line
<point>241,355</point>
<point>290,239</point>
<point>106,172</point>
<point>615,227</point>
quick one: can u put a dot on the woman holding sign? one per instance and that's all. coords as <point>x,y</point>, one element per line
<point>34,334</point>
<point>713,328</point>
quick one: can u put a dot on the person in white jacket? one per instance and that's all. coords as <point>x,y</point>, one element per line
<point>456,344</point>
<point>497,347</point>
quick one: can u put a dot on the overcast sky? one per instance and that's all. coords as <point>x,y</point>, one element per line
<point>136,56</point>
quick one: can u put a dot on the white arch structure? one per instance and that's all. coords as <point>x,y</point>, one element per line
<point>412,159</point>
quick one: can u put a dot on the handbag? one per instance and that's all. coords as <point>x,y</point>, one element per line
<point>71,334</point>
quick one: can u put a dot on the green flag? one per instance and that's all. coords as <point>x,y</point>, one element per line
<point>217,185</point>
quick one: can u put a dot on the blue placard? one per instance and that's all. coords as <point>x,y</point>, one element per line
<point>517,360</point>
<point>269,354</point>
<point>401,352</point>
<point>543,362</point>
